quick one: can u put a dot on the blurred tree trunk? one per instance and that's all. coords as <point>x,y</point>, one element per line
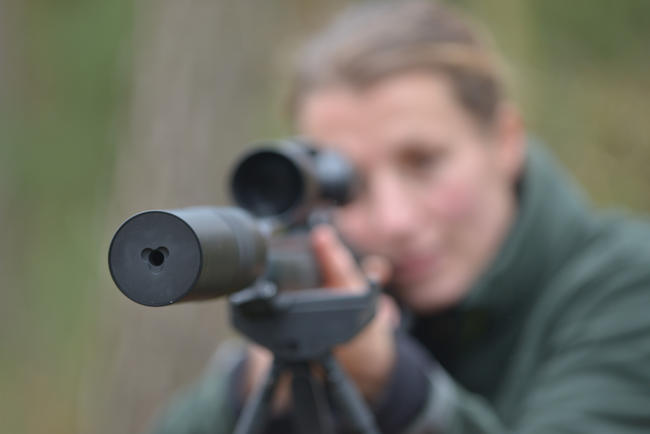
<point>205,83</point>
<point>10,345</point>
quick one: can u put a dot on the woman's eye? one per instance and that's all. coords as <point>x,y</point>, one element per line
<point>420,161</point>
<point>360,190</point>
<point>423,162</point>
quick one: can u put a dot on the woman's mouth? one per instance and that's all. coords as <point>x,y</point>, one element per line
<point>414,267</point>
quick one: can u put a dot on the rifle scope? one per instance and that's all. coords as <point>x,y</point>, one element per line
<point>162,257</point>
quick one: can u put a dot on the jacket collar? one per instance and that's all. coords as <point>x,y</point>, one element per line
<point>551,219</point>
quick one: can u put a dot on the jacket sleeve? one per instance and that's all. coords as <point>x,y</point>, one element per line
<point>207,406</point>
<point>594,378</point>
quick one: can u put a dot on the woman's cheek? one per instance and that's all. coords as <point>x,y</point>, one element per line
<point>353,225</point>
<point>455,200</point>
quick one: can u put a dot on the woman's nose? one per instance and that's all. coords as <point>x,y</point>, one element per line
<point>392,212</point>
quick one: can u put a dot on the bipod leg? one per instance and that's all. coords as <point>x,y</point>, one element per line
<point>256,411</point>
<point>347,398</point>
<point>311,413</point>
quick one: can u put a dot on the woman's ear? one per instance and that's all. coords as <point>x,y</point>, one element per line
<point>511,141</point>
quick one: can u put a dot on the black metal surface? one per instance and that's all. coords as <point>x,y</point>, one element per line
<point>155,258</point>
<point>301,329</point>
<point>162,257</point>
<point>301,325</point>
<point>287,179</point>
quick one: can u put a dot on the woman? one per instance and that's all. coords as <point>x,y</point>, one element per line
<point>525,308</point>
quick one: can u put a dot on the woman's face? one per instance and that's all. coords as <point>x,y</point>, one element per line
<point>438,193</point>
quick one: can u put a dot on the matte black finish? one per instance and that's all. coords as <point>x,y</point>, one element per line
<point>288,179</point>
<point>306,324</point>
<point>268,183</point>
<point>162,257</point>
<point>339,183</point>
<point>301,329</point>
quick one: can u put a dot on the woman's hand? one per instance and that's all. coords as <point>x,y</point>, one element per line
<point>369,357</point>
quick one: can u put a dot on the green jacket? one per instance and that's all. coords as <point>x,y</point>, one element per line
<point>553,338</point>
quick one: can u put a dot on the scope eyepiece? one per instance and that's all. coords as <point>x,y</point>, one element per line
<point>268,183</point>
<point>287,179</point>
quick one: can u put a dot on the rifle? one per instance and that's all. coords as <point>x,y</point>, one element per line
<point>257,254</point>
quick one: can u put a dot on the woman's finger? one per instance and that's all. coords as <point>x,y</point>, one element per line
<point>376,268</point>
<point>338,267</point>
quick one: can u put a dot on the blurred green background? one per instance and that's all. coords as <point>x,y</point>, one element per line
<point>110,107</point>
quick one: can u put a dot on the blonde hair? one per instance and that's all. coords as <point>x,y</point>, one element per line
<point>376,40</point>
